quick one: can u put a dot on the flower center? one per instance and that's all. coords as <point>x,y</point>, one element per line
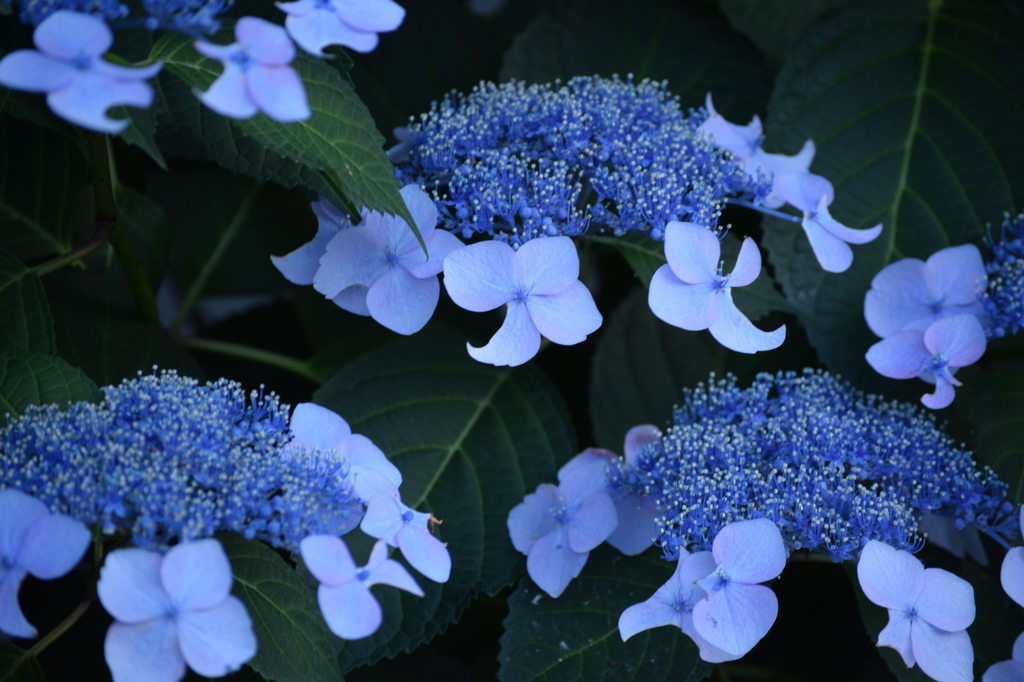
<point>407,516</point>
<point>391,251</point>
<point>243,59</point>
<point>7,562</point>
<point>82,62</point>
<point>520,291</point>
<point>363,575</point>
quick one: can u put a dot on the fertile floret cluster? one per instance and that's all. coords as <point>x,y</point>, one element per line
<point>191,17</point>
<point>35,11</point>
<point>170,460</point>
<point>830,466</point>
<point>1004,300</point>
<point>518,162</point>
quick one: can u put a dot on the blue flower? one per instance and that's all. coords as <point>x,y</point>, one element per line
<point>173,610</point>
<point>36,11</point>
<point>388,519</point>
<point>256,74</point>
<point>397,282</point>
<point>738,611</point>
<point>1008,671</point>
<point>191,17</point>
<point>1011,574</point>
<point>1004,300</point>
<point>691,292</point>
<point>539,283</point>
<point>960,542</point>
<point>315,24</point>
<point>673,604</point>
<point>912,294</point>
<point>946,345</point>
<point>929,611</point>
<point>300,266</point>
<point>79,83</point>
<point>35,542</point>
<point>349,608</point>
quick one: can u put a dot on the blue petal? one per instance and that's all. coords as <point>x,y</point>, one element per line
<point>300,266</point>
<point>86,99</point>
<point>591,523</point>
<point>750,551</point>
<point>898,296</point>
<point>1012,574</point>
<point>1004,671</point>
<point>371,15</point>
<point>960,339</point>
<point>943,656</point>
<point>18,511</point>
<point>958,274</point>
<point>692,252</point>
<point>692,307</point>
<point>637,438</point>
<point>531,519</point>
<point>328,559</point>
<point>53,546</point>
<point>733,330</point>
<point>748,264</point>
<point>423,551</point>
<point>350,610</point>
<point>383,519</point>
<point>737,139</point>
<point>901,356</point>
<point>313,426</point>
<point>943,395</point>
<point>552,564</point>
<point>33,71</point>
<point>480,276</point>
<point>847,234</point>
<point>439,243</point>
<point>804,191</point>
<point>946,600</point>
<point>889,577</point>
<point>653,613</point>
<point>216,640</point>
<point>736,617</point>
<point>278,92</point>
<point>266,42</point>
<point>318,29</point>
<point>547,266</point>
<point>72,35</point>
<point>833,254</point>
<point>401,302</point>
<point>12,620</point>
<point>567,317</point>
<point>228,95</point>
<point>144,652</point>
<point>197,575</point>
<point>130,587</point>
<point>353,256</point>
<point>637,527</point>
<point>515,343</point>
<point>896,634</point>
<point>353,299</point>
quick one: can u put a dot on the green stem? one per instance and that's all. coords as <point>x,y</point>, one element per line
<point>64,259</point>
<point>238,350</point>
<point>213,261</point>
<point>106,219</point>
<point>49,639</point>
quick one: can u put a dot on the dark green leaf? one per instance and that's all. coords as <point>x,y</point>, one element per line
<point>294,642</point>
<point>642,365</point>
<point>28,378</point>
<point>689,44</point>
<point>470,440</point>
<point>917,111</point>
<point>28,669</point>
<point>27,325</point>
<point>774,25</point>
<point>41,177</point>
<point>576,637</point>
<point>339,139</point>
<point>997,414</point>
<point>642,253</point>
<point>141,132</point>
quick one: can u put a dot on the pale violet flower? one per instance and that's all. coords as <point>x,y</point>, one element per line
<point>397,282</point>
<point>911,293</point>
<point>370,471</point>
<point>933,355</point>
<point>300,266</point>
<point>830,240</point>
<point>673,604</point>
<point>1011,574</point>
<point>349,608</point>
<point>171,611</point>
<point>1011,670</point>
<point>33,542</point>
<point>79,84</point>
<point>257,75</point>
<point>540,284</point>
<point>960,542</point>
<point>390,520</point>
<point>691,292</point>
<point>557,526</point>
<point>738,611</point>
<point>929,611</point>
<point>315,24</point>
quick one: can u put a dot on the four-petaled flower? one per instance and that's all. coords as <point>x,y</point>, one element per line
<point>173,610</point>
<point>929,611</point>
<point>829,239</point>
<point>540,284</point>
<point>32,541</point>
<point>912,294</point>
<point>738,611</point>
<point>398,282</point>
<point>315,24</point>
<point>388,519</point>
<point>950,343</point>
<point>673,604</point>
<point>349,608</point>
<point>79,83</point>
<point>691,292</point>
<point>256,74</point>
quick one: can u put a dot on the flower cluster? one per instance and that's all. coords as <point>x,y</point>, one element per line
<point>518,162</point>
<point>1011,575</point>
<point>1004,299</point>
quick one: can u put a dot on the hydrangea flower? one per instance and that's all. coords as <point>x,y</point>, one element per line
<point>315,24</point>
<point>79,84</point>
<point>349,608</point>
<point>960,542</point>
<point>929,611</point>
<point>1011,574</point>
<point>1004,300</point>
<point>300,266</point>
<point>691,292</point>
<point>382,254</point>
<point>829,239</point>
<point>1011,670</point>
<point>35,542</point>
<point>191,17</point>
<point>171,611</point>
<point>37,11</point>
<point>946,345</point>
<point>540,284</point>
<point>256,74</point>
<point>912,294</point>
<point>738,611</point>
<point>388,519</point>
<point>557,526</point>
<point>673,604</point>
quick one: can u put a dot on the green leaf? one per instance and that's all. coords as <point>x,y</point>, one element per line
<point>642,253</point>
<point>642,365</point>
<point>41,178</point>
<point>774,25</point>
<point>294,642</point>
<point>917,112</point>
<point>339,139</point>
<point>27,325</point>
<point>28,669</point>
<point>576,637</point>
<point>997,416</point>
<point>471,440</point>
<point>141,132</point>
<point>29,378</point>
<point>689,44</point>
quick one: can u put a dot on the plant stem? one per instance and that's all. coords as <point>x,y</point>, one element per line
<point>64,259</point>
<point>765,210</point>
<point>238,350</point>
<point>106,219</point>
<point>49,638</point>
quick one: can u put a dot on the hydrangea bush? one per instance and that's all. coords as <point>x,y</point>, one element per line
<point>741,398</point>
